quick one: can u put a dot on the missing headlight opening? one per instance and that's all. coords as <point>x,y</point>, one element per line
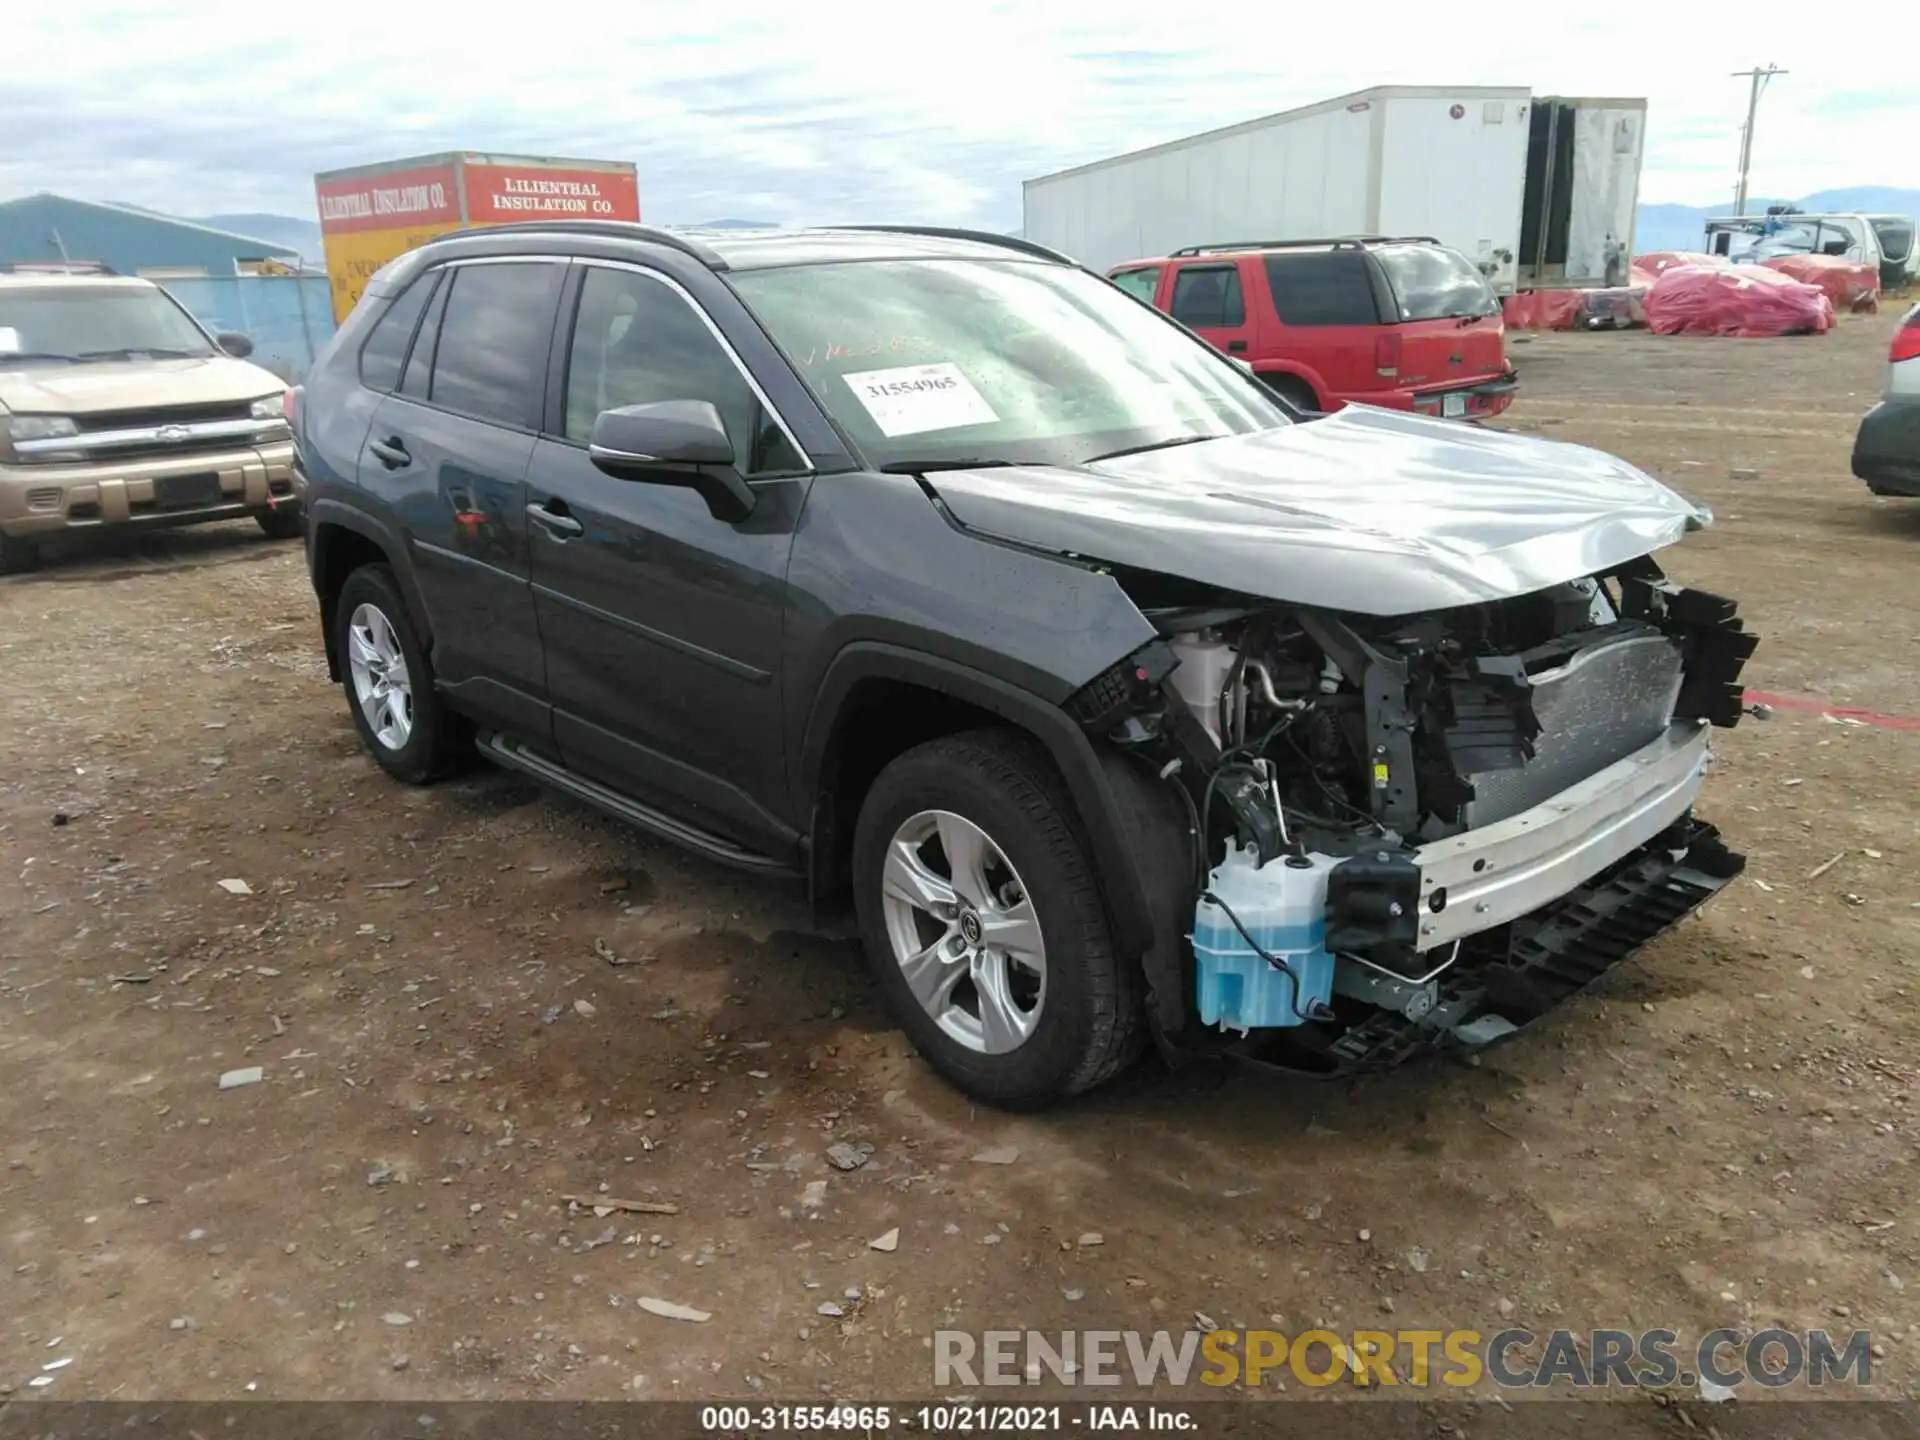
<point>1424,832</point>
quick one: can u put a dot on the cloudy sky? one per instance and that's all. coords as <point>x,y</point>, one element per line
<point>931,110</point>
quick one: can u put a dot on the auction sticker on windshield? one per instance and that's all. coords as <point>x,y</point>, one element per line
<point>917,398</point>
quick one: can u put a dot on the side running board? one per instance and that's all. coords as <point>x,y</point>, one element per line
<point>504,750</point>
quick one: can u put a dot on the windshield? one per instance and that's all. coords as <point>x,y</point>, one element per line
<point>1431,282</point>
<point>931,361</point>
<point>79,323</point>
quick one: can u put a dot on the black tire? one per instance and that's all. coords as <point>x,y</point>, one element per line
<point>439,740</point>
<point>1295,391</point>
<point>283,522</point>
<point>18,555</point>
<point>1092,1022</point>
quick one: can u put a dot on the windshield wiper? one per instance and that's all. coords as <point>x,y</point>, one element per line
<point>151,352</point>
<point>928,467</point>
<point>32,357</point>
<point>1155,445</point>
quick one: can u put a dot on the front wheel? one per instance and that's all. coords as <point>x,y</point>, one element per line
<point>389,681</point>
<point>283,522</point>
<point>17,554</point>
<point>985,927</point>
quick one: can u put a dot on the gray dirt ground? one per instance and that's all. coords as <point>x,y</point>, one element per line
<point>1721,1134</point>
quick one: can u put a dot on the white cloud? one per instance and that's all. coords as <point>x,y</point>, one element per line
<point>841,111</point>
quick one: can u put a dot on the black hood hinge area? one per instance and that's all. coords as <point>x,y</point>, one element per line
<point>1715,644</point>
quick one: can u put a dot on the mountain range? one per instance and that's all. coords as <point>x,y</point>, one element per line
<point>1658,227</point>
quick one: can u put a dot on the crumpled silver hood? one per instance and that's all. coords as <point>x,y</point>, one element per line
<point>1371,511</point>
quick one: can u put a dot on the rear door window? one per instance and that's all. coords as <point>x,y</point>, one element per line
<point>1431,282</point>
<point>1323,287</point>
<point>1208,297</point>
<point>491,359</point>
<point>1140,284</point>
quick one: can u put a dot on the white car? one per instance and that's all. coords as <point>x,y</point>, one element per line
<point>1749,239</point>
<point>1886,452</point>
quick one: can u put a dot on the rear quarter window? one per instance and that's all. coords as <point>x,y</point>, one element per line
<point>1325,287</point>
<point>385,350</point>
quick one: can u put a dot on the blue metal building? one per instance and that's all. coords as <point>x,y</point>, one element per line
<point>54,227</point>
<point>228,281</point>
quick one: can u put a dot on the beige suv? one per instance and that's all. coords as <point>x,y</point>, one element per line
<point>118,409</point>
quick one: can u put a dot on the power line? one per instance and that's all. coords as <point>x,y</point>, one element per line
<point>1757,79</point>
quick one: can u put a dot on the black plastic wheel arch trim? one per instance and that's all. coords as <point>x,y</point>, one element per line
<point>1116,873</point>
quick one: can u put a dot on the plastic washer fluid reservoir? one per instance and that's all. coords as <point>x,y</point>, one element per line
<point>1205,662</point>
<point>1282,904</point>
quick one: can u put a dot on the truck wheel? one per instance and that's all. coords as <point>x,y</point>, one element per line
<point>17,555</point>
<point>283,522</point>
<point>389,682</point>
<point>984,925</point>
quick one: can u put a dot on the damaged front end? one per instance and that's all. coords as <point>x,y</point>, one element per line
<point>1381,836</point>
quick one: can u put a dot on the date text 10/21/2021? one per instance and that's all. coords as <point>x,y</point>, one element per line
<point>955,1418</point>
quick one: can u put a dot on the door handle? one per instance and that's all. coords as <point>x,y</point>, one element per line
<point>1236,347</point>
<point>391,452</point>
<point>558,524</point>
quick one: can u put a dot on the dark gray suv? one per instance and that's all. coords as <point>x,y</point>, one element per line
<point>937,572</point>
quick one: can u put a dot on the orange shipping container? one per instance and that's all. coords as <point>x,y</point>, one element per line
<point>372,214</point>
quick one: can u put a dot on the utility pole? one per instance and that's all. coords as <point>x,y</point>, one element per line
<point>1758,79</point>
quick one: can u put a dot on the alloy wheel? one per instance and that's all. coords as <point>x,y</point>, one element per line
<point>964,931</point>
<point>381,683</point>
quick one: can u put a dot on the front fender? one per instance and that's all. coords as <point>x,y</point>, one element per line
<point>1080,764</point>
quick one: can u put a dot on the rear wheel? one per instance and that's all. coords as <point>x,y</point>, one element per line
<point>984,924</point>
<point>1295,391</point>
<point>389,682</point>
<point>17,554</point>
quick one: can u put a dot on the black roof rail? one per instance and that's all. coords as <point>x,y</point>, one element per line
<point>982,237</point>
<point>56,267</point>
<point>624,229</point>
<point>1333,241</point>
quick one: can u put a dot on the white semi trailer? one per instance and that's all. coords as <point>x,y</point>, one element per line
<point>1537,191</point>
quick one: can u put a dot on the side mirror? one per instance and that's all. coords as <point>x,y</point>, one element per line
<point>673,442</point>
<point>1834,247</point>
<point>237,345</point>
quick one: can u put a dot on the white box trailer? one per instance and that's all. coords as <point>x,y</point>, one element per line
<point>1455,163</point>
<point>1582,190</point>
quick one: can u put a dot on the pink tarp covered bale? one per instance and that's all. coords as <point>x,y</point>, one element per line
<point>1541,310</point>
<point>1743,300</point>
<point>1651,266</point>
<point>1849,284</point>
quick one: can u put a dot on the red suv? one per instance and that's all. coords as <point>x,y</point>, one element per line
<point>1408,324</point>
